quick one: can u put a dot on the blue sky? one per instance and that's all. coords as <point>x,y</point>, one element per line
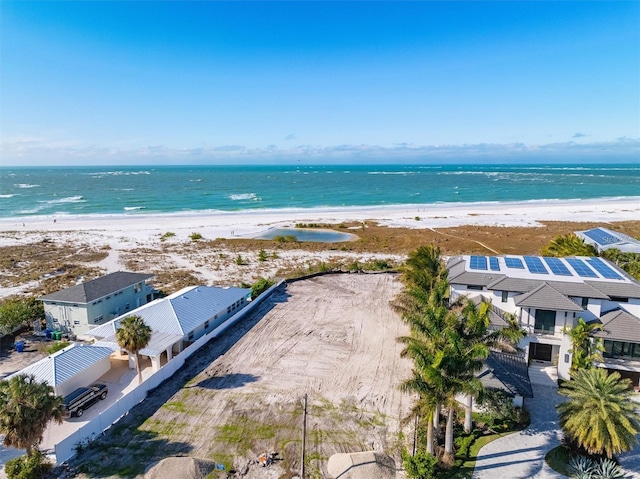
<point>182,82</point>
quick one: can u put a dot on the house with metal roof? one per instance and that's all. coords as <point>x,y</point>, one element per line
<point>177,320</point>
<point>78,309</point>
<point>603,238</point>
<point>75,366</point>
<point>547,295</point>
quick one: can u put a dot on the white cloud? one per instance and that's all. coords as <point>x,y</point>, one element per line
<point>38,152</point>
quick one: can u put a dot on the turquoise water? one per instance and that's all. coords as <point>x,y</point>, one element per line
<point>306,235</point>
<point>146,189</point>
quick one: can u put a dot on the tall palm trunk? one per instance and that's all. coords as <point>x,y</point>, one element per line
<point>138,368</point>
<point>430,435</point>
<point>436,420</point>
<point>448,435</point>
<point>468,421</point>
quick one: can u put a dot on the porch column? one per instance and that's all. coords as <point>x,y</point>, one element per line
<point>169,353</point>
<point>155,363</point>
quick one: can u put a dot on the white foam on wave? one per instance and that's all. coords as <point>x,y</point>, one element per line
<point>7,196</point>
<point>244,197</point>
<point>26,185</point>
<point>68,199</point>
<point>131,208</point>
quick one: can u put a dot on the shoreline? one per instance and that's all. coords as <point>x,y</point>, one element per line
<point>248,223</point>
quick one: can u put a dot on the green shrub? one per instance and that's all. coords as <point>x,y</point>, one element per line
<point>168,234</point>
<point>57,346</point>
<point>23,467</point>
<point>262,255</point>
<point>260,287</point>
<point>239,260</point>
<point>195,236</point>
<point>421,466</point>
<point>463,444</point>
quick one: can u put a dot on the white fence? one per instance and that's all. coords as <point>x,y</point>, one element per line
<point>67,448</point>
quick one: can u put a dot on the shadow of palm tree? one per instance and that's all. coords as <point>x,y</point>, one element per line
<point>228,381</point>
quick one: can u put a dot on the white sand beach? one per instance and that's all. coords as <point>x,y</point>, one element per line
<point>248,223</point>
<point>125,236</point>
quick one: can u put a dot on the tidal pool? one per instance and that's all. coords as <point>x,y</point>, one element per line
<point>309,235</point>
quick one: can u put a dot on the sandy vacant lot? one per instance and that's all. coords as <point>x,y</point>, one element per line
<point>330,337</point>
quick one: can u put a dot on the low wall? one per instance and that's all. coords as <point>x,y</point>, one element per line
<point>67,448</point>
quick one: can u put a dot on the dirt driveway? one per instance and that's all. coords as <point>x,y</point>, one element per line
<point>330,337</point>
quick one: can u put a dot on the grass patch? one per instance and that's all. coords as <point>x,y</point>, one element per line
<point>558,460</point>
<point>465,466</point>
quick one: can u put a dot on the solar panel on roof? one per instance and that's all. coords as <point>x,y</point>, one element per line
<point>478,262</point>
<point>603,269</point>
<point>581,268</point>
<point>493,263</point>
<point>602,237</point>
<point>534,264</point>
<point>557,266</point>
<point>514,263</point>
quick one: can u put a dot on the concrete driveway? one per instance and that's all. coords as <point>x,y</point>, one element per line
<point>521,455</point>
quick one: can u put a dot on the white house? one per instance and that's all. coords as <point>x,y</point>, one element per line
<point>178,320</point>
<point>547,295</point>
<point>603,238</point>
<point>70,368</point>
<point>84,306</point>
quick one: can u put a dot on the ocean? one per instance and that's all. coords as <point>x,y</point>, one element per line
<point>101,190</point>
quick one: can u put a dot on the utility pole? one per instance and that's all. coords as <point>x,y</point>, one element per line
<point>304,433</point>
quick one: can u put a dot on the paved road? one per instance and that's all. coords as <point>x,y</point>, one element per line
<point>521,455</point>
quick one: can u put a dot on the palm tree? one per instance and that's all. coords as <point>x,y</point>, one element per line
<point>133,335</point>
<point>599,415</point>
<point>427,382</point>
<point>424,267</point>
<point>569,245</point>
<point>476,331</point>
<point>584,350</point>
<point>26,408</point>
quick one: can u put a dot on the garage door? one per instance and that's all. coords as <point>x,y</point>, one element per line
<point>540,352</point>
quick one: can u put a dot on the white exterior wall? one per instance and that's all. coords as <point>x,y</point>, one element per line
<point>84,378</point>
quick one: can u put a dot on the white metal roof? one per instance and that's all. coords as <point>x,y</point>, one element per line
<point>181,312</point>
<point>159,342</point>
<point>63,365</point>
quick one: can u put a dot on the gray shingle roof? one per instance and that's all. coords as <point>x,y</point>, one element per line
<point>520,285</point>
<point>507,372</point>
<point>546,297</point>
<point>97,288</point>
<point>620,325</point>
<point>627,290</point>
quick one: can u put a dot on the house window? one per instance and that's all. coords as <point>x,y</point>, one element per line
<point>190,338</point>
<point>127,306</point>
<point>98,319</point>
<point>545,321</point>
<point>474,286</point>
<point>76,323</point>
<point>619,299</point>
<point>621,349</point>
<point>206,324</point>
<point>585,303</point>
<point>505,296</point>
<point>137,288</point>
